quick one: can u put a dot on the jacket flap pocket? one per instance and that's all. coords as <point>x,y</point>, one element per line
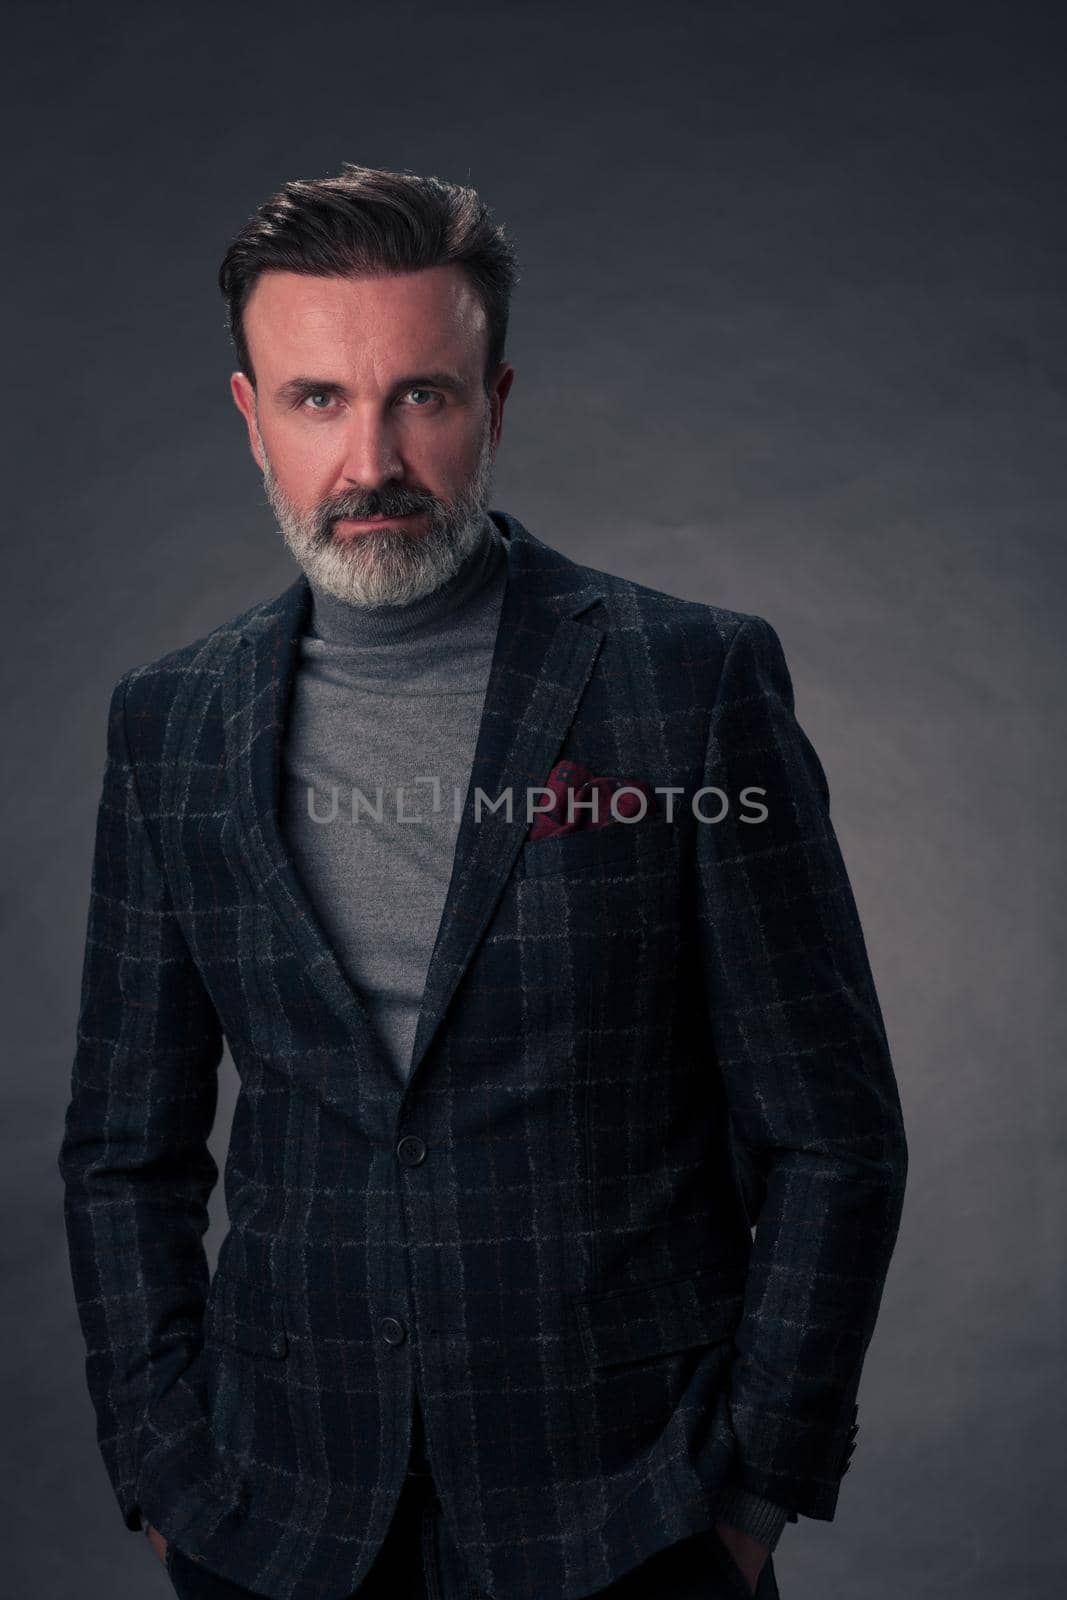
<point>247,1316</point>
<point>655,1319</point>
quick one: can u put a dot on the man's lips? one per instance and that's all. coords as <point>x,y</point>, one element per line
<point>379,522</point>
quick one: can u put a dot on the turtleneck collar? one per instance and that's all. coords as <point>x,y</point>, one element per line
<point>340,622</point>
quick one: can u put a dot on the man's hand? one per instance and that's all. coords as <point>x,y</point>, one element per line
<point>747,1552</point>
<point>157,1541</point>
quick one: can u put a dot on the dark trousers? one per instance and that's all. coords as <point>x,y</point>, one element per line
<point>418,1561</point>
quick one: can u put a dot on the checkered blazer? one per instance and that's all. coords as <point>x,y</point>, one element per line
<point>637,1043</point>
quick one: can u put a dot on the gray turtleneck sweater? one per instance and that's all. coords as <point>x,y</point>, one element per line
<point>388,699</point>
<point>383,698</point>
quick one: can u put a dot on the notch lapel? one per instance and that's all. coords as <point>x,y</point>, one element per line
<point>541,664</point>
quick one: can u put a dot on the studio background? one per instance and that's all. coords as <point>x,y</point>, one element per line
<point>790,339</point>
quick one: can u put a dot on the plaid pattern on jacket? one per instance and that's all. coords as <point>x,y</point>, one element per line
<point>636,1043</point>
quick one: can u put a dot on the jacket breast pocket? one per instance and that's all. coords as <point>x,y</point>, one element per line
<point>617,844</point>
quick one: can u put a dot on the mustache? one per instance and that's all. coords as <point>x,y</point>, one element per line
<point>378,503</point>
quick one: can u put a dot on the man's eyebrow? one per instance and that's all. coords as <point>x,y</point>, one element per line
<point>296,387</point>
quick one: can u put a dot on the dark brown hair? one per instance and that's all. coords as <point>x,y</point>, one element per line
<point>366,222</point>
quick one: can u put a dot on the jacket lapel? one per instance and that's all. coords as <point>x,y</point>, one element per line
<point>257,692</point>
<point>541,663</point>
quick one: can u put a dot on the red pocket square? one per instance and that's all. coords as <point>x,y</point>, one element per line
<point>569,777</point>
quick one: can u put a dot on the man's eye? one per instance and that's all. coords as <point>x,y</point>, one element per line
<point>321,399</point>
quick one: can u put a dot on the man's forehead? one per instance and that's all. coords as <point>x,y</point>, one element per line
<point>332,326</point>
<point>291,302</point>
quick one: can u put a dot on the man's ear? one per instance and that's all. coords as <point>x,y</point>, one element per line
<point>498,393</point>
<point>244,398</point>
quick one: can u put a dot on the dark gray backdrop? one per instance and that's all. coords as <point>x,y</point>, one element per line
<point>790,339</point>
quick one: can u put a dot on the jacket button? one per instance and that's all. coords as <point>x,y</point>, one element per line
<point>411,1150</point>
<point>392,1330</point>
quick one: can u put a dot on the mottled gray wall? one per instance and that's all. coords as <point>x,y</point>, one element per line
<point>790,339</point>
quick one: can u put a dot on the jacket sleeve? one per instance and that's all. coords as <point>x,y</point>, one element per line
<point>134,1158</point>
<point>800,1042</point>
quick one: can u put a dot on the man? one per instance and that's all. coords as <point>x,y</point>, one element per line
<point>512,887</point>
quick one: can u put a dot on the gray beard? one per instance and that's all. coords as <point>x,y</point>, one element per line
<point>391,567</point>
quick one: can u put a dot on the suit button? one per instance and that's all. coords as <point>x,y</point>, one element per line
<point>411,1150</point>
<point>392,1330</point>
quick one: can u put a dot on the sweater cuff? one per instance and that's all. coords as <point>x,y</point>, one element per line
<point>761,1519</point>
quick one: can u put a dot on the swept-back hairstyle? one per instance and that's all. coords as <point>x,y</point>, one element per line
<point>367,222</point>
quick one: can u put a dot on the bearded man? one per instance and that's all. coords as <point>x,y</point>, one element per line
<point>568,1159</point>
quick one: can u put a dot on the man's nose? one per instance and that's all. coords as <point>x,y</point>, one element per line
<point>372,455</point>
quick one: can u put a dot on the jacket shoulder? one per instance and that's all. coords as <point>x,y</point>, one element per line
<point>148,689</point>
<point>205,655</point>
<point>626,597</point>
<point>671,628</point>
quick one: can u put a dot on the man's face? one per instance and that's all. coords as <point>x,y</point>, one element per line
<point>372,426</point>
